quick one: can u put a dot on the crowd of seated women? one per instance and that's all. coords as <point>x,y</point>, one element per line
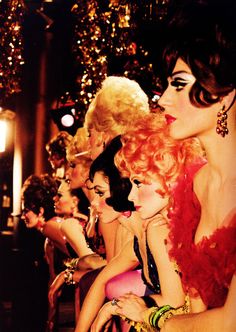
<point>144,214</point>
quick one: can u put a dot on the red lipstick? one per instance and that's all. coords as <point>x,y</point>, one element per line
<point>169,118</point>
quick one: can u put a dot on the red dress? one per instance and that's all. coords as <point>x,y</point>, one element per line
<point>206,268</point>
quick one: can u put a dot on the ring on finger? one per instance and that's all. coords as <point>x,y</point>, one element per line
<point>114,301</point>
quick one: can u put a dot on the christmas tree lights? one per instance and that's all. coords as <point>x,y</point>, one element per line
<point>11,46</point>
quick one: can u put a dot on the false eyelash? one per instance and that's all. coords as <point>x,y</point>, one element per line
<point>99,193</point>
<point>137,182</point>
<point>177,84</point>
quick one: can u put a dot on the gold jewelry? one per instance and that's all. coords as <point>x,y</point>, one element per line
<point>68,277</point>
<point>221,127</point>
<point>147,313</point>
<point>185,309</point>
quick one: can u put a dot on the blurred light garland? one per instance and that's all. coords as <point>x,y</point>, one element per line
<point>107,30</point>
<point>11,46</point>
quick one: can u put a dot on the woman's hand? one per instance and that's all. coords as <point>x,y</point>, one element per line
<point>104,316</point>
<point>131,306</point>
<point>53,292</point>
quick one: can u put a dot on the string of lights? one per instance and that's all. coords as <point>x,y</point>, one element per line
<point>11,46</point>
<point>107,30</point>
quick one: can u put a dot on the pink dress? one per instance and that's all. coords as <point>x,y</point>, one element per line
<point>206,268</point>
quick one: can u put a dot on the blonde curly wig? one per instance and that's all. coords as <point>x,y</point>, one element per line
<point>116,106</point>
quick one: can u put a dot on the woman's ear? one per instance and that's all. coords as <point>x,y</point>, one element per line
<point>75,201</point>
<point>229,99</point>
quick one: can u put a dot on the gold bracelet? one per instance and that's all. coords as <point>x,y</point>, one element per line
<point>184,309</point>
<point>68,277</point>
<point>147,314</point>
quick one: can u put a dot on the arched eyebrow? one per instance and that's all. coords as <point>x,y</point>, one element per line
<point>99,187</point>
<point>185,75</point>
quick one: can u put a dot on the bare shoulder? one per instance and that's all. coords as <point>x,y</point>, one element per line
<point>71,223</point>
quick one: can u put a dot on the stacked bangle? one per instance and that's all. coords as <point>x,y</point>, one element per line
<point>184,309</point>
<point>148,313</point>
<point>68,276</point>
<point>156,315</point>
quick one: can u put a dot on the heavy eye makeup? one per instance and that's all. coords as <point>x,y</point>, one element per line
<point>178,83</point>
<point>180,79</point>
<point>137,183</point>
<point>98,191</point>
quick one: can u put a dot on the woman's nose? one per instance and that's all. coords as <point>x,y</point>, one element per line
<point>94,202</point>
<point>164,100</point>
<point>131,195</point>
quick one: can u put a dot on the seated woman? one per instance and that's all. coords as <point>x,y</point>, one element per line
<point>153,161</point>
<point>113,185</point>
<point>78,156</point>
<point>39,195</point>
<point>56,149</point>
<point>200,101</point>
<point>104,164</point>
<point>37,210</point>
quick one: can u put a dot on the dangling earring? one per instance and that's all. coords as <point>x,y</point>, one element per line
<point>221,127</point>
<point>103,145</point>
<point>41,223</point>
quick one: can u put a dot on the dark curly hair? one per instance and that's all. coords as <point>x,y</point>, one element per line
<point>119,186</point>
<point>203,35</point>
<point>58,144</point>
<point>37,192</point>
<point>83,205</point>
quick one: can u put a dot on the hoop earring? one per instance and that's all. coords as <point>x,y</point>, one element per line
<point>221,127</point>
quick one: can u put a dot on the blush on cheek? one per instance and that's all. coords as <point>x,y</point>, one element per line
<point>75,173</point>
<point>146,195</point>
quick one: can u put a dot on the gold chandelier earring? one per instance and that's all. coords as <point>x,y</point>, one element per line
<point>221,127</point>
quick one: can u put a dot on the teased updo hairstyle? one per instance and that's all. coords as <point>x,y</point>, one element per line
<point>118,103</point>
<point>149,153</point>
<point>79,144</point>
<point>119,186</point>
<point>58,144</point>
<point>37,192</point>
<point>205,39</point>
